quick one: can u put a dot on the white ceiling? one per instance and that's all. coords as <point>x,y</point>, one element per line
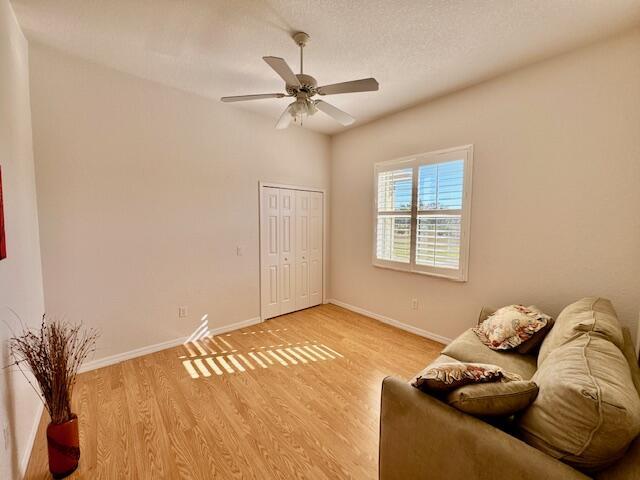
<point>415,49</point>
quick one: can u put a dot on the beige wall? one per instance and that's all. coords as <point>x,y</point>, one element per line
<point>556,191</point>
<point>20,272</point>
<point>144,194</point>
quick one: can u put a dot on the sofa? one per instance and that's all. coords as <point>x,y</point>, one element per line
<point>423,437</point>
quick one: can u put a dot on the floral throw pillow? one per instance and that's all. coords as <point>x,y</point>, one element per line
<point>449,376</point>
<point>509,327</point>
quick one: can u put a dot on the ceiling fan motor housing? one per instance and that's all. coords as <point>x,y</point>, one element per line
<point>308,85</point>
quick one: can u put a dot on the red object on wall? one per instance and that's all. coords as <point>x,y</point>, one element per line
<point>3,240</point>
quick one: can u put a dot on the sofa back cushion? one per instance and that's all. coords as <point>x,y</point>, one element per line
<point>591,314</point>
<point>587,411</point>
<point>629,465</point>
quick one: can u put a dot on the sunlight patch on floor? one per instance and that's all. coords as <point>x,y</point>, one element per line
<point>206,356</point>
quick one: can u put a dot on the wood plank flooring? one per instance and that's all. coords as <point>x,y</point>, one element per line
<point>295,397</point>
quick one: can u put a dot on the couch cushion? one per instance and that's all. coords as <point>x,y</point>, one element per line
<point>587,410</point>
<point>591,314</point>
<point>442,358</point>
<point>629,353</point>
<point>494,399</point>
<point>468,348</point>
<point>629,465</point>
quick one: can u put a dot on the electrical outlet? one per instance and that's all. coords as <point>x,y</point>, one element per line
<point>414,304</point>
<point>239,251</point>
<point>183,312</point>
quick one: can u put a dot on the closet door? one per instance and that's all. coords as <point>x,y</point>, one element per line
<point>287,252</point>
<point>302,249</point>
<point>315,248</point>
<point>270,252</point>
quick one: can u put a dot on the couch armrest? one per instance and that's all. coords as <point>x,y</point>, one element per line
<point>423,438</point>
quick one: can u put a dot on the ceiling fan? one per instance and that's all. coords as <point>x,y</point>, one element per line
<point>303,88</point>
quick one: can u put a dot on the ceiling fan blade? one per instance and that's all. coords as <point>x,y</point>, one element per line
<point>282,68</point>
<point>285,119</point>
<point>335,113</point>
<point>242,98</point>
<point>364,85</point>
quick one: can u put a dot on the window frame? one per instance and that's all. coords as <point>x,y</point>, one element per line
<point>414,162</point>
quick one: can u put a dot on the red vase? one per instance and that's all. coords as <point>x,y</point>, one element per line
<point>63,442</point>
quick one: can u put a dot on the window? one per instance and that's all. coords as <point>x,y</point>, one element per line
<point>422,207</point>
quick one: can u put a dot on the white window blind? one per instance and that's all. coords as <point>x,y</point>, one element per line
<point>394,215</point>
<point>422,213</point>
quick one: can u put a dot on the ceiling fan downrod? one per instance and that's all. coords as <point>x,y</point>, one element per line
<point>301,39</point>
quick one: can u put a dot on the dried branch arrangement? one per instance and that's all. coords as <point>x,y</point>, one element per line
<point>53,354</point>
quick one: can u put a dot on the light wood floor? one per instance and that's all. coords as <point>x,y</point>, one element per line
<point>295,397</point>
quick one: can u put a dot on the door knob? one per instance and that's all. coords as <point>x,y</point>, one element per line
<point>303,258</point>
<point>285,259</point>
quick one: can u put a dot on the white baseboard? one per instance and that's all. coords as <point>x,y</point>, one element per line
<point>138,352</point>
<point>121,357</point>
<point>26,456</point>
<point>393,322</point>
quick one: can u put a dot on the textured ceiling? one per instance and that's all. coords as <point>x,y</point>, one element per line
<point>416,49</point>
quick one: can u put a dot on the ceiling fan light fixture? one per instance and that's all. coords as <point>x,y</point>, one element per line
<point>301,109</point>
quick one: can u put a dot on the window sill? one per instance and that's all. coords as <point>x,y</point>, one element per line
<point>458,277</point>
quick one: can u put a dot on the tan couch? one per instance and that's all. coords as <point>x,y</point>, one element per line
<point>423,438</point>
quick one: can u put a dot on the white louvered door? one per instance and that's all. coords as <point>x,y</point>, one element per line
<point>315,248</point>
<point>287,251</point>
<point>291,253</point>
<point>302,249</point>
<point>270,252</point>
